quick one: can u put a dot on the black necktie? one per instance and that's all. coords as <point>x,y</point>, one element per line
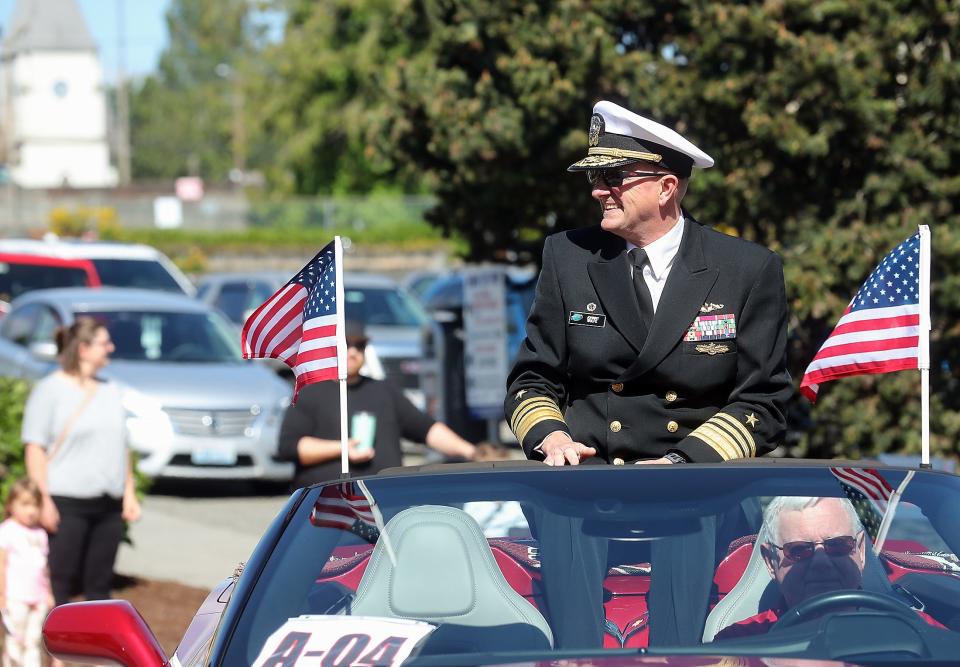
<point>640,286</point>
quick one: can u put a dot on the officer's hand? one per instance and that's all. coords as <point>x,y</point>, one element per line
<point>559,449</point>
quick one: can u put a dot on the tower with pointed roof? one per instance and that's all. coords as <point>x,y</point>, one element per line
<point>53,108</point>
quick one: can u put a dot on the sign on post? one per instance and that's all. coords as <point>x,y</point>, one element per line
<point>485,340</point>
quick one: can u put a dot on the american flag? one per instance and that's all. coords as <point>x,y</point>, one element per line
<point>879,332</point>
<point>344,507</point>
<point>869,493</point>
<point>302,324</point>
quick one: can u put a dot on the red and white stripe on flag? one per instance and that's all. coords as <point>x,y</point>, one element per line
<point>341,506</point>
<point>879,332</point>
<point>866,480</point>
<point>302,323</point>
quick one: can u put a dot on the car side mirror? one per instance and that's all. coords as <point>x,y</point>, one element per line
<point>102,630</point>
<point>45,349</point>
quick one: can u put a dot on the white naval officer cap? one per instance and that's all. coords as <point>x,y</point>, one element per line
<point>618,137</point>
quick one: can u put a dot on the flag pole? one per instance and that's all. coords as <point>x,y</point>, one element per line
<point>923,360</point>
<point>341,357</point>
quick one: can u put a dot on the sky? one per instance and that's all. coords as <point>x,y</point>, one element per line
<point>146,34</point>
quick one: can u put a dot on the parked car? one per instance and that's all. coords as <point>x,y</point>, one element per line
<point>21,273</point>
<point>405,567</point>
<point>117,264</point>
<point>394,321</point>
<point>196,409</point>
<point>443,374</point>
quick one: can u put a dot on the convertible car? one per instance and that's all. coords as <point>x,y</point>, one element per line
<point>518,563</point>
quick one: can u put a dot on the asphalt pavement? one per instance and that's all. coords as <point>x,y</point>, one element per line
<point>197,536</point>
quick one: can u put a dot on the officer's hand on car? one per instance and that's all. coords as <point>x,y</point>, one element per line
<point>559,449</point>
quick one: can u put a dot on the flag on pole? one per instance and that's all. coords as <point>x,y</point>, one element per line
<point>303,324</point>
<point>869,493</point>
<point>344,507</point>
<point>879,332</point>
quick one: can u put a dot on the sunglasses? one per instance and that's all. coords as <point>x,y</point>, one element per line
<point>836,547</point>
<point>614,177</point>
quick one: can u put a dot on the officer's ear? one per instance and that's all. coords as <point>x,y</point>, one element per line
<point>670,189</point>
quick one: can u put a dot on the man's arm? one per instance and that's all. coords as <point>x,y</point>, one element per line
<point>442,438</point>
<point>754,420</point>
<point>536,388</point>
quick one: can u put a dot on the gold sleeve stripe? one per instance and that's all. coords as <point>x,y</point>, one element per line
<point>534,418</point>
<point>526,406</point>
<point>733,436</point>
<point>717,440</point>
<point>747,435</point>
<point>733,447</point>
<point>530,413</point>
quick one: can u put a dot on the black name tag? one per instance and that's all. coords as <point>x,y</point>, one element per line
<point>586,319</point>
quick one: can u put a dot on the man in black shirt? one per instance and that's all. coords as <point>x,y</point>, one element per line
<point>310,434</point>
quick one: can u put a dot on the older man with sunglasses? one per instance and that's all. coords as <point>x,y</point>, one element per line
<point>652,338</point>
<point>816,545</point>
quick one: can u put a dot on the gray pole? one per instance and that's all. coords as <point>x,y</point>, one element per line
<point>123,103</point>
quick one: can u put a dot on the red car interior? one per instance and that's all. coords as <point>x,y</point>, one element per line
<point>627,586</point>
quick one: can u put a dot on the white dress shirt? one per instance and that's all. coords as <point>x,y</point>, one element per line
<point>661,254</point>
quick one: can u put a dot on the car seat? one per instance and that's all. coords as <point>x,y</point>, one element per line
<point>756,591</point>
<point>445,573</point>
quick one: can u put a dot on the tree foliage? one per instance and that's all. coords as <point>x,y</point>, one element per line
<point>834,124</point>
<point>182,117</point>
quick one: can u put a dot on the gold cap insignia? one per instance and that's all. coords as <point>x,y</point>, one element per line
<point>596,129</point>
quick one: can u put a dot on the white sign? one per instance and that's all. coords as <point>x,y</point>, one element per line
<point>342,641</point>
<point>485,340</point>
<point>167,212</point>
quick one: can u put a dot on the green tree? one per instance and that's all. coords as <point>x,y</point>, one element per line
<point>833,124</point>
<point>317,89</point>
<point>185,118</point>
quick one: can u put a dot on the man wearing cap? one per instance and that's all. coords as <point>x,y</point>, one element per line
<point>652,339</point>
<point>310,433</point>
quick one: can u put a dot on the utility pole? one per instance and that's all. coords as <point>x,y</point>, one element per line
<point>123,102</point>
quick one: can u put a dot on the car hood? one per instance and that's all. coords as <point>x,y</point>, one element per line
<point>201,385</point>
<point>675,661</point>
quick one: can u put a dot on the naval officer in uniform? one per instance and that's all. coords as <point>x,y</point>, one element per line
<point>652,338</point>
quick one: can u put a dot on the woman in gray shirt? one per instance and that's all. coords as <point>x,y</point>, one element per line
<point>74,427</point>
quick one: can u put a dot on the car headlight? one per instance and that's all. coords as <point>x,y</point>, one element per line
<point>149,427</point>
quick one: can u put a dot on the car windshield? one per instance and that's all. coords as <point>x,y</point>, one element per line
<point>169,336</point>
<point>16,278</point>
<point>140,273</point>
<point>540,563</point>
<point>383,306</point>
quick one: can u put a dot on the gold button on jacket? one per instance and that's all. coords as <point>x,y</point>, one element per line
<point>618,461</point>
<point>672,426</point>
<point>617,387</point>
<point>615,426</point>
<point>671,396</point>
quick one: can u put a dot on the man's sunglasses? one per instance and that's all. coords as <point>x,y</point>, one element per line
<point>614,177</point>
<point>837,547</point>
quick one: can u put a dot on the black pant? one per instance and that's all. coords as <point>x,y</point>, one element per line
<point>83,549</point>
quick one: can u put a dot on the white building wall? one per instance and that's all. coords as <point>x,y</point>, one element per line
<point>58,129</point>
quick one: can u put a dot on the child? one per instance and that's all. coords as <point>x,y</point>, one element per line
<point>25,595</point>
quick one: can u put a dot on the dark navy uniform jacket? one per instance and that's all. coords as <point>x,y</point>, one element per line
<point>709,380</point>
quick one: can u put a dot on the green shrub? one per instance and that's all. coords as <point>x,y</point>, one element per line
<point>13,395</point>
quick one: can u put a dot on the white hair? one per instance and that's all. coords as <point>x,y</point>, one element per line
<point>781,504</point>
